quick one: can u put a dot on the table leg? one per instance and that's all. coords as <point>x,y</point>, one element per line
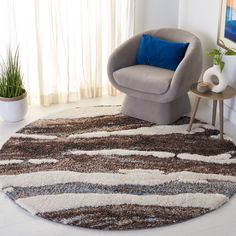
<point>214,112</point>
<point>221,119</point>
<point>196,104</point>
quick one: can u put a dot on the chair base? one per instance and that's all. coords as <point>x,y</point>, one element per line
<point>160,113</point>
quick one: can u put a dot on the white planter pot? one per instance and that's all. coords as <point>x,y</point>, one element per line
<point>13,109</point>
<point>221,76</point>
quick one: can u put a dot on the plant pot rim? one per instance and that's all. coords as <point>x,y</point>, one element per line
<point>14,99</point>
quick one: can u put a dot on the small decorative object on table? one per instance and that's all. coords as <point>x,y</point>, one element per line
<point>218,69</point>
<point>13,97</point>
<point>202,87</point>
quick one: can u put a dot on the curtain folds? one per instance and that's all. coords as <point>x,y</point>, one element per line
<point>65,44</point>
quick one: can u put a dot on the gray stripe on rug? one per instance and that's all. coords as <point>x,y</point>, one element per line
<point>172,188</point>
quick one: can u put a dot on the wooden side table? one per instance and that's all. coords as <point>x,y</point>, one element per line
<point>228,93</point>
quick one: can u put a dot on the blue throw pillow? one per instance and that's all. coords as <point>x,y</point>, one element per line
<point>160,53</point>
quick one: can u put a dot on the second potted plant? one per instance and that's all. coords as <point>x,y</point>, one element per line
<point>13,97</point>
<point>218,69</point>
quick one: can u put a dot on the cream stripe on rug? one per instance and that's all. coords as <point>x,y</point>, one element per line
<point>47,203</point>
<point>142,177</point>
<point>153,130</point>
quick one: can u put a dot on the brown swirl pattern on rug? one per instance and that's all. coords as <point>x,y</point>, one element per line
<point>96,168</point>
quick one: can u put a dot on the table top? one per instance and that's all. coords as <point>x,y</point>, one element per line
<point>228,93</point>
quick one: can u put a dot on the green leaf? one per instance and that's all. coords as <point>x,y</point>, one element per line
<point>222,65</point>
<point>230,52</point>
<point>11,79</point>
<point>215,52</point>
<point>216,60</point>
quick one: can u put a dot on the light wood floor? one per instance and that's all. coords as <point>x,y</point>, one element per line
<point>14,221</point>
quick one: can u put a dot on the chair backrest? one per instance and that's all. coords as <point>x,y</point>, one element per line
<point>176,35</point>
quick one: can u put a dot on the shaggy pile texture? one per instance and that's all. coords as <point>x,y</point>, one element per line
<point>94,167</point>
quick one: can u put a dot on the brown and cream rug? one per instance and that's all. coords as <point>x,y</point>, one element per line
<point>95,168</point>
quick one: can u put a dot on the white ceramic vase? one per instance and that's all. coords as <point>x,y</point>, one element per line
<point>221,76</point>
<point>13,109</point>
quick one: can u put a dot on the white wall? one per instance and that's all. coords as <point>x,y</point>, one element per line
<point>201,17</point>
<point>154,14</point>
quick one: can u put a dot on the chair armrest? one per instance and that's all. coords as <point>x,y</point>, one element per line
<point>123,56</point>
<point>188,71</point>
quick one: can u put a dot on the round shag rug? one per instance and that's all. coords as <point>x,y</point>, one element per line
<point>96,168</point>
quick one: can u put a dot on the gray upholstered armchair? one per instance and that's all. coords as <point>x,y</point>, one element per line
<point>155,94</point>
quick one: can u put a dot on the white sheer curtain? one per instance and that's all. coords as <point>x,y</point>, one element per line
<point>64,44</point>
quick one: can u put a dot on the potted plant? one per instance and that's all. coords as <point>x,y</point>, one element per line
<point>13,97</point>
<point>218,69</point>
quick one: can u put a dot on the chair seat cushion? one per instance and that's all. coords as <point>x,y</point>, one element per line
<point>143,78</point>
